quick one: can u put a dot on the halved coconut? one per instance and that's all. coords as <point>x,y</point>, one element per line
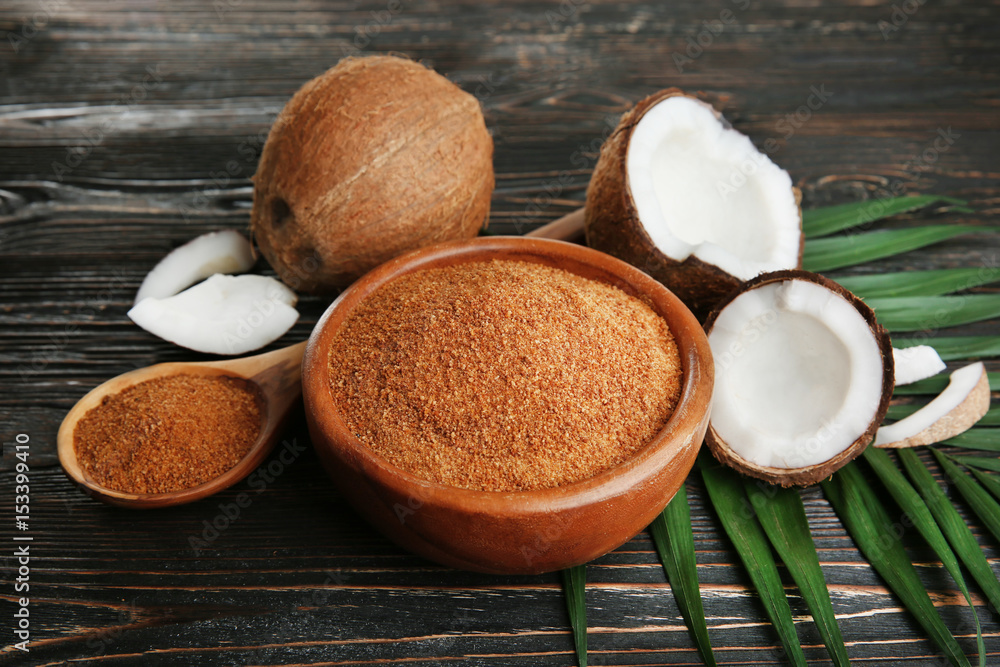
<point>803,377</point>
<point>690,201</point>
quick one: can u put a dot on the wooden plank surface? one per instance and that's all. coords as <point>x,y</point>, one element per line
<point>127,128</point>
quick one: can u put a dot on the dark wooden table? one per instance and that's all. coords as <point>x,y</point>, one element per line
<point>127,128</point>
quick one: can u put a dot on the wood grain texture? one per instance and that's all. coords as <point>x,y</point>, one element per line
<point>128,128</point>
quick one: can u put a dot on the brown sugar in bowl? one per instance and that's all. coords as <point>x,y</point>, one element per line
<point>508,532</point>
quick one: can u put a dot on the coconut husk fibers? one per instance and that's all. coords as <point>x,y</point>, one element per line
<point>810,474</point>
<point>377,156</point>
<point>613,226</point>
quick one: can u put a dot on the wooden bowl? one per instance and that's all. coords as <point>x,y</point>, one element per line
<point>523,531</point>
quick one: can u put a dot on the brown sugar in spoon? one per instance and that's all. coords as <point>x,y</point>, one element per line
<point>277,375</point>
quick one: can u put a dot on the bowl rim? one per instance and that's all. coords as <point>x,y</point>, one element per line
<point>692,406</point>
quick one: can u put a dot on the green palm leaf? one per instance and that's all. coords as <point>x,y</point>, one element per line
<point>919,313</point>
<point>783,518</point>
<point>923,520</point>
<point>981,502</point>
<point>918,283</point>
<point>674,540</point>
<point>982,462</point>
<point>840,251</point>
<point>951,348</point>
<point>725,489</point>
<point>873,531</point>
<point>985,439</point>
<point>830,219</point>
<point>953,526</point>
<point>988,482</point>
<point>574,582</point>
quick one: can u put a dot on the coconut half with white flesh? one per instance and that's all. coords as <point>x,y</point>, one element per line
<point>681,195</point>
<point>803,377</point>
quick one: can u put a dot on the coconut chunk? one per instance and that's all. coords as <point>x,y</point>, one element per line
<point>955,410</point>
<point>222,315</point>
<point>803,375</point>
<point>225,251</point>
<point>703,189</point>
<point>916,363</point>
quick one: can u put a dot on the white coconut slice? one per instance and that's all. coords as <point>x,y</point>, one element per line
<point>916,363</point>
<point>955,410</point>
<point>803,377</point>
<point>226,251</point>
<point>222,315</point>
<point>691,201</point>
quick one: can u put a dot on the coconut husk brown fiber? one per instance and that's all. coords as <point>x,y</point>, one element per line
<point>375,157</point>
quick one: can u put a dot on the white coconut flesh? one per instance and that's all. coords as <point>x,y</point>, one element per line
<point>912,364</point>
<point>226,251</point>
<point>703,189</point>
<point>798,375</point>
<point>962,403</point>
<point>221,315</point>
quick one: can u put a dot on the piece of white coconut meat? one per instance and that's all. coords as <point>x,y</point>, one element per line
<point>956,409</point>
<point>222,315</point>
<point>225,251</point>
<point>912,364</point>
<point>799,375</point>
<point>703,189</point>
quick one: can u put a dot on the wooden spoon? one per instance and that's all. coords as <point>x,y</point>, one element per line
<point>567,228</point>
<point>278,375</point>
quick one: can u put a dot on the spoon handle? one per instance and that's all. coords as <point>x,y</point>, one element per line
<point>567,228</point>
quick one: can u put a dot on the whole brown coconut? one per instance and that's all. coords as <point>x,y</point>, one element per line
<point>707,207</point>
<point>375,157</point>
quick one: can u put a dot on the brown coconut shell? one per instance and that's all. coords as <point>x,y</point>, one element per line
<point>375,157</point>
<point>814,473</point>
<point>613,226</point>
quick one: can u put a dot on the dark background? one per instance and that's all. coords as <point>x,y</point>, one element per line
<point>127,128</point>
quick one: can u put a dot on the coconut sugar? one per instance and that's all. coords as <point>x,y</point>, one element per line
<point>504,375</point>
<point>169,433</point>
